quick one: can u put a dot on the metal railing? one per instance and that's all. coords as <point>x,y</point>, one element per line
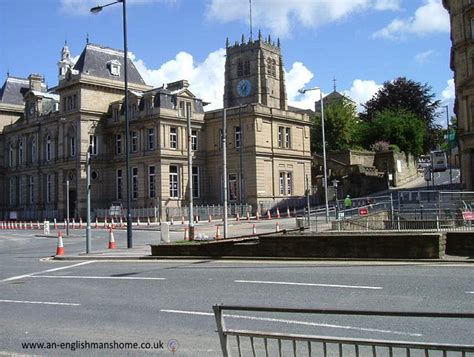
<point>289,344</point>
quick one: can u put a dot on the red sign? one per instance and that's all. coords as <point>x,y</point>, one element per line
<point>468,216</point>
<point>363,211</point>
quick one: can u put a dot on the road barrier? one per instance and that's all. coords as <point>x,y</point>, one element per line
<point>257,342</point>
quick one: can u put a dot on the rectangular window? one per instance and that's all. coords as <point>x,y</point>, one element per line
<point>134,141</point>
<point>11,156</point>
<point>49,187</point>
<point>174,181</point>
<point>31,190</point>
<point>116,115</point>
<point>182,109</point>
<point>20,190</point>
<point>238,136</point>
<point>72,146</point>
<point>174,138</point>
<point>188,110</point>
<point>151,182</point>
<point>289,183</point>
<point>232,187</point>
<point>221,138</point>
<point>33,151</point>
<point>93,142</point>
<point>194,140</point>
<point>287,138</point>
<point>196,183</point>
<point>48,148</point>
<point>134,183</point>
<point>12,191</point>
<point>282,184</point>
<point>118,144</point>
<point>20,153</point>
<point>151,138</point>
<point>280,136</point>
<point>118,187</point>
<point>74,101</point>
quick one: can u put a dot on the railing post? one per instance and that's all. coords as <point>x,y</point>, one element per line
<point>398,221</point>
<point>219,316</point>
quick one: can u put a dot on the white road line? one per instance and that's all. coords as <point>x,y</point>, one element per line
<point>47,271</point>
<point>310,284</point>
<point>469,292</point>
<point>295,322</point>
<point>95,277</point>
<point>42,302</point>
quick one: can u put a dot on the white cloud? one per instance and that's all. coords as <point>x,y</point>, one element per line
<point>279,16</point>
<point>206,79</point>
<point>423,57</point>
<point>82,7</point>
<point>448,94</point>
<point>431,17</point>
<point>362,91</point>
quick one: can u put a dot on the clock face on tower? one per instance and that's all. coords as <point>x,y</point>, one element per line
<point>244,87</point>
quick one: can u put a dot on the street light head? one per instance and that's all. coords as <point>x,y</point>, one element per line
<point>302,91</point>
<point>95,10</point>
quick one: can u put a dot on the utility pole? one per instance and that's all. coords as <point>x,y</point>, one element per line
<point>224,166</point>
<point>67,207</point>
<point>88,214</point>
<point>190,174</point>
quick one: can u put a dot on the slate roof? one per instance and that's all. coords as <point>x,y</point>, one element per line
<point>93,61</point>
<point>13,89</point>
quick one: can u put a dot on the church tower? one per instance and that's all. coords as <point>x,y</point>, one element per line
<point>65,63</point>
<point>254,73</point>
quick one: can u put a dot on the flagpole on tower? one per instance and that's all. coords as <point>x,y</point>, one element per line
<point>251,32</point>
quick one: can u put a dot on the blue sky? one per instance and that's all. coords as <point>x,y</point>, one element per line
<point>361,43</point>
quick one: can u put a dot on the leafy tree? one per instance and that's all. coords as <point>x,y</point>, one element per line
<point>409,96</point>
<point>401,128</point>
<point>340,120</point>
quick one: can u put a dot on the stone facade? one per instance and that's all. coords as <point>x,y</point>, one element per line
<point>45,136</point>
<point>462,63</point>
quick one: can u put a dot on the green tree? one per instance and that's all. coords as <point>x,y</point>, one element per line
<point>340,120</point>
<point>410,96</point>
<point>401,128</point>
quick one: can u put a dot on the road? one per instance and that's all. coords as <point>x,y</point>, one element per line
<point>104,301</point>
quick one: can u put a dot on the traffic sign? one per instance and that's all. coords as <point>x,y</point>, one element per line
<point>468,216</point>
<point>363,211</point>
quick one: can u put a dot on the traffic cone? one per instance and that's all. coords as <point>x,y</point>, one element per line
<point>73,223</point>
<point>186,233</point>
<point>55,224</point>
<point>269,214</point>
<point>182,219</point>
<point>111,239</point>
<point>278,213</point>
<point>22,225</point>
<point>277,227</point>
<point>254,230</point>
<point>65,224</point>
<point>210,218</point>
<point>112,222</point>
<point>60,247</point>
<point>218,233</point>
<point>237,217</point>
<point>257,215</point>
<point>31,224</point>
<point>138,221</point>
<point>248,216</point>
<point>38,225</point>
<point>105,222</point>
<point>288,214</point>
<point>96,223</point>
<point>172,221</point>
<point>121,222</point>
<point>80,223</point>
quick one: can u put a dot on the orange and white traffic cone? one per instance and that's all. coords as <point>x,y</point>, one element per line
<point>254,230</point>
<point>31,224</point>
<point>186,233</point>
<point>106,224</point>
<point>111,239</point>
<point>248,216</point>
<point>65,224</point>
<point>218,233</point>
<point>288,214</point>
<point>277,227</point>
<point>60,246</point>
<point>55,224</point>
<point>269,214</point>
<point>257,216</point>
<point>73,223</point>
<point>237,217</point>
<point>278,213</point>
<point>80,223</point>
<point>112,222</point>
<point>96,223</point>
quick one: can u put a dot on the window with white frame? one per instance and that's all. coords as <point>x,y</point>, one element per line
<point>174,181</point>
<point>94,144</point>
<point>232,187</point>
<point>151,182</point>
<point>194,140</point>
<point>237,136</point>
<point>72,146</point>
<point>49,188</point>
<point>188,110</point>
<point>134,141</point>
<point>196,182</point>
<point>173,138</point>
<point>114,67</point>
<point>118,184</point>
<point>135,183</point>
<point>281,131</point>
<point>287,138</point>
<point>282,184</point>
<point>289,183</point>
<point>12,191</point>
<point>118,144</point>
<point>20,153</point>
<point>182,109</point>
<point>151,139</point>
<point>284,137</point>
<point>31,189</point>
<point>48,148</point>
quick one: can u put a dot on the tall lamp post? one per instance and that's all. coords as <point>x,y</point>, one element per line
<point>325,183</point>
<point>449,146</point>
<point>96,10</point>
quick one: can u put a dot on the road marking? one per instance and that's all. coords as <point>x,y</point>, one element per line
<point>310,284</point>
<point>41,302</point>
<point>469,292</point>
<point>295,322</point>
<point>95,277</point>
<point>47,271</point>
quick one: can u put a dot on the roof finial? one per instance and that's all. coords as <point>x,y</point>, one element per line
<point>334,81</point>
<point>250,21</point>
<point>226,42</point>
<point>87,39</point>
<point>243,39</point>
<point>278,42</point>
<point>8,73</point>
<point>269,39</point>
<point>259,34</point>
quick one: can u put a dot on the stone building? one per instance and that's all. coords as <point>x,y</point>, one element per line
<point>45,135</point>
<point>462,63</point>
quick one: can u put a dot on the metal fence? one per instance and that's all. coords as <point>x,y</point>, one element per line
<point>27,215</point>
<point>246,342</point>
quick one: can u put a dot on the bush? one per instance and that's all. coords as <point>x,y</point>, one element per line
<point>394,147</point>
<point>380,146</point>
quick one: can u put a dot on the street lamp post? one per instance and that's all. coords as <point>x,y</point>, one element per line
<point>96,10</point>
<point>325,183</point>
<point>224,166</point>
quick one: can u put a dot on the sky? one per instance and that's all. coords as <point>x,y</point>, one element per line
<point>358,43</point>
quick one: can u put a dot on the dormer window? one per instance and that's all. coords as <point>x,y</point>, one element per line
<point>114,67</point>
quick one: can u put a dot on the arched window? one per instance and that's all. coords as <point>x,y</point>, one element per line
<point>246,68</point>
<point>20,153</point>
<point>240,69</point>
<point>33,150</point>
<point>11,156</point>
<point>269,66</point>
